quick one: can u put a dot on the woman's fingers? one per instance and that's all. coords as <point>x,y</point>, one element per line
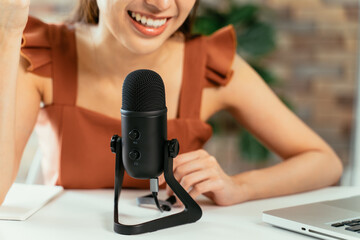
<point>190,156</point>
<point>191,166</point>
<point>169,191</point>
<point>161,179</point>
<point>180,160</point>
<point>188,181</point>
<point>204,187</point>
<point>194,180</point>
<point>199,173</point>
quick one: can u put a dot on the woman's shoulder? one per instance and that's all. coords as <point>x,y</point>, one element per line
<point>220,51</point>
<point>35,47</point>
<point>38,40</point>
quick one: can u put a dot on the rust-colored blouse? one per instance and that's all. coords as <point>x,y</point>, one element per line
<point>75,141</point>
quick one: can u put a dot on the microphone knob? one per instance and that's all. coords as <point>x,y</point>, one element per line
<point>173,148</point>
<point>134,155</point>
<point>113,143</point>
<point>134,134</point>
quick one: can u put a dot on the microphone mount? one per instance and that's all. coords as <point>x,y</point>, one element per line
<point>192,211</point>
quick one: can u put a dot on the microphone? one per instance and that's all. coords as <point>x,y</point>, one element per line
<point>144,152</point>
<point>143,124</point>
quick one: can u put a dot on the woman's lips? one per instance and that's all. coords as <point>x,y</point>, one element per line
<point>149,31</point>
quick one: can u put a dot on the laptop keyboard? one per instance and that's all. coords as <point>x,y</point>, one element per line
<point>351,225</point>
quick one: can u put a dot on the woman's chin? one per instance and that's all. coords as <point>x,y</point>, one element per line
<point>143,48</point>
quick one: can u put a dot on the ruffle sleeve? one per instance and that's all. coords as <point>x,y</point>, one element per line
<point>36,48</point>
<point>221,50</point>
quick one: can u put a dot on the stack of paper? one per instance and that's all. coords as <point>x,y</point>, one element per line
<point>23,200</point>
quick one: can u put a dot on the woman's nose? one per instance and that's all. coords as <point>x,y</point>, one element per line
<point>159,5</point>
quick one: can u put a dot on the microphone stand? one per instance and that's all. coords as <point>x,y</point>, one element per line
<point>191,213</point>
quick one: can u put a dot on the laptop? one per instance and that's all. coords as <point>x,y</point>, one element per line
<point>336,219</point>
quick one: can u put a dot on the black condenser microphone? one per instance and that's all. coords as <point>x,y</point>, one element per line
<point>143,124</point>
<point>145,153</point>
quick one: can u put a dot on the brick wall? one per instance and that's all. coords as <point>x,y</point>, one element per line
<point>316,59</point>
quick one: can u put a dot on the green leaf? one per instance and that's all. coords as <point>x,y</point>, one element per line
<point>216,126</point>
<point>257,40</point>
<point>251,148</point>
<point>242,15</point>
<point>206,25</point>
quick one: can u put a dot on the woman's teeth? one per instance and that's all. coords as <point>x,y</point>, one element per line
<point>146,21</point>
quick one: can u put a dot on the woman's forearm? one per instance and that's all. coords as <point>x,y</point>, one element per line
<point>303,172</point>
<point>9,64</point>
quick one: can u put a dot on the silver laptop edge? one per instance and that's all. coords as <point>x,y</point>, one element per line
<point>305,229</point>
<point>315,219</point>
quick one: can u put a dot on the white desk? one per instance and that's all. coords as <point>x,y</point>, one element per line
<point>89,215</point>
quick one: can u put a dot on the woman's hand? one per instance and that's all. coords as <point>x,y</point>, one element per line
<point>13,15</point>
<point>199,173</point>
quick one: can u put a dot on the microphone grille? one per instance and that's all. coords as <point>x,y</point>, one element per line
<point>143,90</point>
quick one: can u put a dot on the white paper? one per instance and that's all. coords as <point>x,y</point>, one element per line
<point>23,200</point>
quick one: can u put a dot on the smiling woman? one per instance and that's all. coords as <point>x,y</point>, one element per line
<point>87,11</point>
<point>77,71</point>
<point>117,16</point>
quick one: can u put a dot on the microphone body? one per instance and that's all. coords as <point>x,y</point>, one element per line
<point>144,135</point>
<point>143,124</point>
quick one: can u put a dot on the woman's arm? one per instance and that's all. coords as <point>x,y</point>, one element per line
<point>19,105</point>
<point>7,109</point>
<point>19,96</point>
<point>309,163</point>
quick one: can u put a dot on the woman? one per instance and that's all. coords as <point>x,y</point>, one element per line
<point>77,72</point>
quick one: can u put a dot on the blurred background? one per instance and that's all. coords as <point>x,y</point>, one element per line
<point>307,51</point>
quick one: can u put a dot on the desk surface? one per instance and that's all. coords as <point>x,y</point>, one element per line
<point>85,214</point>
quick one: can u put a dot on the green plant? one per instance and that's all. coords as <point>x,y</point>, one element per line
<point>256,39</point>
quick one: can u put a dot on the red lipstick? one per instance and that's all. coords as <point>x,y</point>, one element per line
<point>149,31</point>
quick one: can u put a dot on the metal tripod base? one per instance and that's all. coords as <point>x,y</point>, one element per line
<point>191,213</point>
